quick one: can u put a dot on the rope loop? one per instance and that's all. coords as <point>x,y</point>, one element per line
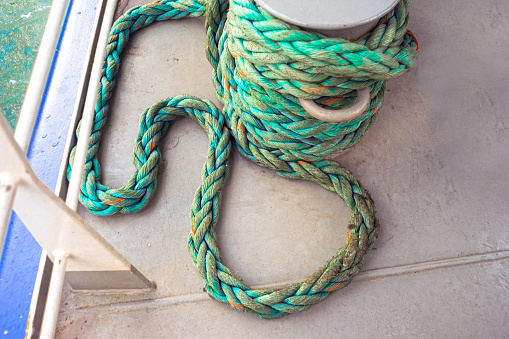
<point>262,66</point>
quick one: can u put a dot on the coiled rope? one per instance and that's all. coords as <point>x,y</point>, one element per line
<point>261,67</point>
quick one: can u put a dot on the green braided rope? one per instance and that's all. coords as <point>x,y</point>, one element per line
<point>263,108</point>
<point>262,65</point>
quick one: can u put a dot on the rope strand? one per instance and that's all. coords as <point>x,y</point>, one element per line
<point>262,66</point>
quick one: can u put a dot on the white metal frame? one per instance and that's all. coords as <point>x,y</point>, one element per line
<point>87,118</point>
<point>72,245</point>
<point>79,254</point>
<point>39,76</point>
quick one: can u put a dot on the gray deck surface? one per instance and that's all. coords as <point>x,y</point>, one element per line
<point>435,162</point>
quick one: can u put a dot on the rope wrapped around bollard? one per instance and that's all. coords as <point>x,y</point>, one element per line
<point>262,66</point>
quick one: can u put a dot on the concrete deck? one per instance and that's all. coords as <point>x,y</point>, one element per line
<point>435,163</point>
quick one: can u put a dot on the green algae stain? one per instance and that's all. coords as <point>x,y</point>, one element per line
<point>21,26</point>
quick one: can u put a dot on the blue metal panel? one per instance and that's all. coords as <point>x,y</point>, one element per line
<point>21,255</point>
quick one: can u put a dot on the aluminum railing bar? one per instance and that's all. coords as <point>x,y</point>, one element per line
<point>40,73</point>
<point>54,295</point>
<point>41,286</point>
<point>88,111</point>
<point>62,184</point>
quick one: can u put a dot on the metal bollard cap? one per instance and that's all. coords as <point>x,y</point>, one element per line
<point>328,14</point>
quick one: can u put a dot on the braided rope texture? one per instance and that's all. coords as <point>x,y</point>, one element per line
<point>261,67</point>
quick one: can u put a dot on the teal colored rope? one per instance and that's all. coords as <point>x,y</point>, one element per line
<point>262,66</point>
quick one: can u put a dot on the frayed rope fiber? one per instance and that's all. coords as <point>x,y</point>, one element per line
<point>262,65</point>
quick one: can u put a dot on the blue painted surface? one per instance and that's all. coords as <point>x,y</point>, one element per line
<point>18,269</point>
<point>21,255</point>
<point>21,26</point>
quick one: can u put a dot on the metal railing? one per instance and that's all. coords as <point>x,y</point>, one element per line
<point>79,254</point>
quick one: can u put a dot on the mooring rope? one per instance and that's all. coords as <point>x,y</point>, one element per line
<point>262,65</point>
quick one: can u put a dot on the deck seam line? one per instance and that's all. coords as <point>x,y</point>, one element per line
<point>378,273</point>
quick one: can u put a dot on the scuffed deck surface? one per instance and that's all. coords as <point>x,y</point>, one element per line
<point>435,162</point>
